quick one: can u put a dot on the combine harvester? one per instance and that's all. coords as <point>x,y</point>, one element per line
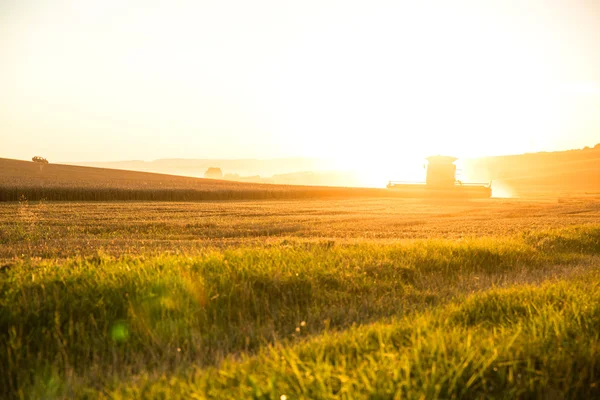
<point>441,182</point>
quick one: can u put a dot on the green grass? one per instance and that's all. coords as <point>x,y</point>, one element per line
<point>312,320</point>
<point>524,342</point>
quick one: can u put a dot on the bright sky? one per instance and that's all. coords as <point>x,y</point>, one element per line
<point>359,82</point>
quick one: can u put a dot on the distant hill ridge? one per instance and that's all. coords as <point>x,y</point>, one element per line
<point>197,167</point>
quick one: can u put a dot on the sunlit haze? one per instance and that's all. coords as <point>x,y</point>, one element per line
<point>371,86</point>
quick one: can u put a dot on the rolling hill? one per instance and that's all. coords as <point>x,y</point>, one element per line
<point>28,180</point>
<point>561,172</point>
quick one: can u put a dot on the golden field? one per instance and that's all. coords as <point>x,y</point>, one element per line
<point>303,298</point>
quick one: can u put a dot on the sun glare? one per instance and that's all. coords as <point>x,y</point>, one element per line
<point>352,84</point>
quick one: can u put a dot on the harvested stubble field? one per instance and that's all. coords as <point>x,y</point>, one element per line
<point>314,299</point>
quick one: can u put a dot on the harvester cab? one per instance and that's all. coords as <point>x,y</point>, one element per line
<point>441,171</point>
<point>440,181</point>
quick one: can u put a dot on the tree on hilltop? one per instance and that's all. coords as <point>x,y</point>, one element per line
<point>38,159</point>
